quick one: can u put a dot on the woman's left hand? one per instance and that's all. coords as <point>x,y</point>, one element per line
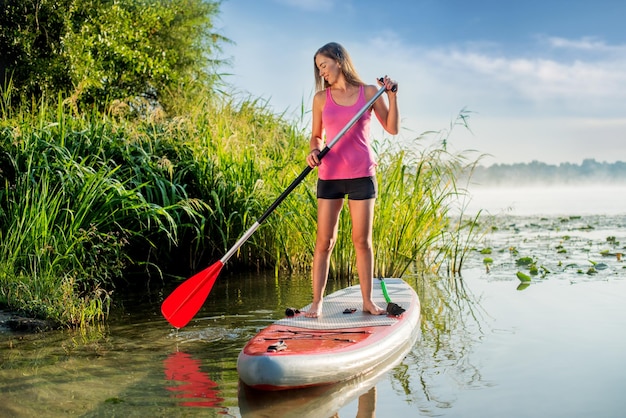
<point>391,86</point>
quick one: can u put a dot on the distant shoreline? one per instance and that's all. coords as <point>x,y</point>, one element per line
<point>537,173</point>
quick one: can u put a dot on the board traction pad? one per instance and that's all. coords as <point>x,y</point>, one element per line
<point>334,305</point>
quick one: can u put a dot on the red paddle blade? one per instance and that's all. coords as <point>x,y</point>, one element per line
<point>187,299</point>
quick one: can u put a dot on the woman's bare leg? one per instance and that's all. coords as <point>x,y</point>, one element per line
<point>362,214</point>
<point>328,211</point>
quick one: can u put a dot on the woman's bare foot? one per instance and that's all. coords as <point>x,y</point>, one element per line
<point>315,311</point>
<point>372,308</point>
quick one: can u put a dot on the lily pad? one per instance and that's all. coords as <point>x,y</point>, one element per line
<point>524,261</point>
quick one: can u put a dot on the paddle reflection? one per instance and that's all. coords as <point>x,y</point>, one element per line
<point>191,382</point>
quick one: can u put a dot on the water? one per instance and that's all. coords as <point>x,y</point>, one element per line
<point>488,348</point>
<point>549,200</point>
<point>554,350</point>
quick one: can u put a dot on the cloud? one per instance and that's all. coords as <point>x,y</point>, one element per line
<point>590,44</point>
<point>540,75</point>
<point>596,84</point>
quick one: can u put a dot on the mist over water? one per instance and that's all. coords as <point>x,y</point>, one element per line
<point>549,200</point>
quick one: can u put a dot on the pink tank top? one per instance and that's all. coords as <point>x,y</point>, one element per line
<point>351,157</point>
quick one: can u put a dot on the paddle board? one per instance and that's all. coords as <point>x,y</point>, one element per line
<point>345,342</point>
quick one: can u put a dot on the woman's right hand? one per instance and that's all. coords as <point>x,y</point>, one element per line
<point>312,159</point>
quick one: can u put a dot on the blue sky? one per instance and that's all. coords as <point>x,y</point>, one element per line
<point>543,80</point>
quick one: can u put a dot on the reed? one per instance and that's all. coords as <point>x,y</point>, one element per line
<point>56,252</point>
<point>411,211</point>
<point>70,211</point>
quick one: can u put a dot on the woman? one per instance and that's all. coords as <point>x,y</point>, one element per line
<point>349,168</point>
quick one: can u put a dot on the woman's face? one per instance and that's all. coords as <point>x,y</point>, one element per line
<point>328,68</point>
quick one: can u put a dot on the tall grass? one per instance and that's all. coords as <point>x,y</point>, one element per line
<point>80,204</point>
<point>95,202</point>
<point>411,210</point>
<point>58,253</point>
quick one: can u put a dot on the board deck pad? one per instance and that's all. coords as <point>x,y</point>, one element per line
<point>350,298</point>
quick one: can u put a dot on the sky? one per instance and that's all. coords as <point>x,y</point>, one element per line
<point>541,80</point>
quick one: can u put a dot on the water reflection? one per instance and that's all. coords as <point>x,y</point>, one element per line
<point>453,322</point>
<point>138,368</point>
<point>190,382</point>
<point>318,402</point>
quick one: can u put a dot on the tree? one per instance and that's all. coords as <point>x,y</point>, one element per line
<point>100,50</point>
<point>31,47</point>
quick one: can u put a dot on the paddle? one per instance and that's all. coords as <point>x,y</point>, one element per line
<point>187,299</point>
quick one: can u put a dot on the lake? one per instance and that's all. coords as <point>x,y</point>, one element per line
<point>586,199</point>
<point>490,345</point>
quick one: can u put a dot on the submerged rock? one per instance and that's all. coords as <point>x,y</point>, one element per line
<point>22,324</point>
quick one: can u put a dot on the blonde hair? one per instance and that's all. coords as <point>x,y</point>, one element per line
<point>335,51</point>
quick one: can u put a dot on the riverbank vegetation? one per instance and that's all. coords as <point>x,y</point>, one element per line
<point>100,194</point>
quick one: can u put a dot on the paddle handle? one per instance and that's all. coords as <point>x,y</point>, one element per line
<point>299,179</point>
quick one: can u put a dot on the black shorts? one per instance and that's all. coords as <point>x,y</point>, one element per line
<point>361,188</point>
